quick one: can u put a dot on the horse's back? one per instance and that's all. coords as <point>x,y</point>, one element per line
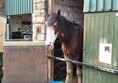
<point>74,50</point>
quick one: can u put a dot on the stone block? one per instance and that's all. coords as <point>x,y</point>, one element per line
<point>43,14</point>
<point>35,20</point>
<point>36,26</point>
<point>41,6</point>
<point>37,13</point>
<point>37,1</point>
<point>42,11</point>
<point>40,19</point>
<point>43,28</point>
<point>42,37</point>
<point>40,1</point>
<point>39,37</point>
<point>35,6</point>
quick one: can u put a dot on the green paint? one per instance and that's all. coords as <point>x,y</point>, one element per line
<point>100,5</point>
<point>13,7</point>
<point>100,28</point>
<point>96,38</point>
<point>107,5</point>
<point>115,6</point>
<point>92,5</point>
<point>86,5</point>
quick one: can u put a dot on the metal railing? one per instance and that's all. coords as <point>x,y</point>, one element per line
<point>112,71</point>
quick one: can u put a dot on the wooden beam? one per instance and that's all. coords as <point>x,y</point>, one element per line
<point>50,6</point>
<point>50,65</point>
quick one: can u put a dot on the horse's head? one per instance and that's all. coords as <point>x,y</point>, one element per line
<point>52,26</point>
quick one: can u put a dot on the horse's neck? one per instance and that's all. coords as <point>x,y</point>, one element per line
<point>67,34</point>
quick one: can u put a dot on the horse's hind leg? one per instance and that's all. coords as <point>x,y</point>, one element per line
<point>79,74</point>
<point>69,71</point>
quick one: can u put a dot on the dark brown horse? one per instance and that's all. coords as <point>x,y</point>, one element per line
<point>71,35</point>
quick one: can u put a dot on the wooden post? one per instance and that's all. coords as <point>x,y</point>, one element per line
<point>50,52</point>
<point>50,6</point>
<point>50,65</point>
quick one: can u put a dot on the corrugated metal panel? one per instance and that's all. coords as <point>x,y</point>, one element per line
<point>100,28</point>
<point>13,7</point>
<point>100,5</point>
<point>115,2</point>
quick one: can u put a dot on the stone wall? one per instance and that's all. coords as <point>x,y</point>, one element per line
<point>71,9</point>
<point>39,18</point>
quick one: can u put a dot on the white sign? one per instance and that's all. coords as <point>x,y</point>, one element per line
<point>116,14</point>
<point>105,53</point>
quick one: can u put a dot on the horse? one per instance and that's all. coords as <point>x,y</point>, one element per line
<point>71,36</point>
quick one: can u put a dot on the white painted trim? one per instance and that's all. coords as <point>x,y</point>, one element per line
<point>24,43</point>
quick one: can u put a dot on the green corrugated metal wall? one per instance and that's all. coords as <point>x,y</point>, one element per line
<point>100,5</point>
<point>100,28</point>
<point>13,7</point>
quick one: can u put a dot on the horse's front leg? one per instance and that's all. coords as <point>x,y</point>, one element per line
<point>69,71</point>
<point>69,67</point>
<point>79,74</point>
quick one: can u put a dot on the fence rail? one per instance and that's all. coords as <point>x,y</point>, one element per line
<point>112,71</point>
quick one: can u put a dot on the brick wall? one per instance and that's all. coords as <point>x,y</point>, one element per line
<point>39,18</point>
<point>71,9</point>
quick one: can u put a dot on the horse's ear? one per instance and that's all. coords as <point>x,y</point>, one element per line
<point>59,13</point>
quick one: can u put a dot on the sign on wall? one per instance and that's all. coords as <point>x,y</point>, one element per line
<point>105,53</point>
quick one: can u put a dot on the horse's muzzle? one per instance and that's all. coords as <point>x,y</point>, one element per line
<point>50,47</point>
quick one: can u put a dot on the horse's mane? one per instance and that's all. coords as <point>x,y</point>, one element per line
<point>52,19</point>
<point>68,22</point>
<point>64,21</point>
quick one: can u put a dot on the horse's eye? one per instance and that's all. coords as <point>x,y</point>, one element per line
<point>55,24</point>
